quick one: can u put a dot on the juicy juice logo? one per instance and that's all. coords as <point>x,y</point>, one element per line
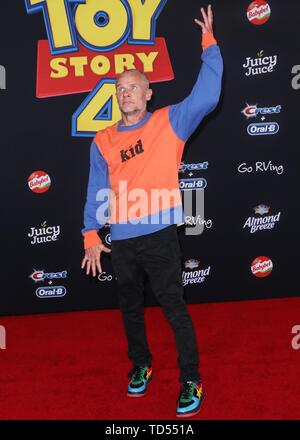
<point>260,65</point>
<point>90,42</point>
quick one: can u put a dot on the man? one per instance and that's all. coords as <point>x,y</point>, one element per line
<point>144,151</point>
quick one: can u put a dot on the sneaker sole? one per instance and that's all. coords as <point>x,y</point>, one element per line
<point>139,394</point>
<point>192,413</point>
<point>136,394</point>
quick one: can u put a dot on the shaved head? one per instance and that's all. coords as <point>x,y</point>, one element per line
<point>135,71</point>
<point>133,92</point>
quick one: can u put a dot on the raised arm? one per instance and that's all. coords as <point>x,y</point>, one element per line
<point>204,97</point>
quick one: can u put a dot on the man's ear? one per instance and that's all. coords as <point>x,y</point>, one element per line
<point>149,94</point>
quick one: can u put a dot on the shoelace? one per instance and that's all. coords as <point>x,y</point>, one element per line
<point>137,373</point>
<point>187,391</point>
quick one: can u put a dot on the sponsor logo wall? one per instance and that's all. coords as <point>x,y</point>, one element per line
<point>242,160</point>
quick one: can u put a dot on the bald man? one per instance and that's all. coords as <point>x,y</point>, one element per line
<point>140,155</point>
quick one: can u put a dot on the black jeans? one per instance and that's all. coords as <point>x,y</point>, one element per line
<point>158,254</point>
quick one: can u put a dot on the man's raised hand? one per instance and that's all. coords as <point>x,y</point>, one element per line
<point>207,26</point>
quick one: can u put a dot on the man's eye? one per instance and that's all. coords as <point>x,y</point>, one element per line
<point>134,87</point>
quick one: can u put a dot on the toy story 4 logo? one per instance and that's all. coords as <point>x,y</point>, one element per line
<point>90,42</point>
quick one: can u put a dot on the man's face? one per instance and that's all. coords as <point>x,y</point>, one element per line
<point>132,93</point>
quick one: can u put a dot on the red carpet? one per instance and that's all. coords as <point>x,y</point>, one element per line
<point>74,365</point>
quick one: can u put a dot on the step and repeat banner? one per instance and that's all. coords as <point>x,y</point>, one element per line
<point>58,64</point>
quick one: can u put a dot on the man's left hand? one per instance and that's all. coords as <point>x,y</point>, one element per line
<point>207,26</point>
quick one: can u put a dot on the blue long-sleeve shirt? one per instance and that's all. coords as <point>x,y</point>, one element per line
<point>174,125</point>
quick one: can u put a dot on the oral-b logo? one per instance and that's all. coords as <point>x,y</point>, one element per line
<point>51,292</point>
<point>192,184</point>
<point>260,129</point>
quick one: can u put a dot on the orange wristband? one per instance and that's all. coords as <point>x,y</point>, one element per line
<point>208,40</point>
<point>91,238</point>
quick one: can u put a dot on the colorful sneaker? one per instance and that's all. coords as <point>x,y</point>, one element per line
<point>140,377</point>
<point>190,399</point>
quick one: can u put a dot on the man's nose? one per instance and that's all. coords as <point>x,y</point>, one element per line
<point>127,92</point>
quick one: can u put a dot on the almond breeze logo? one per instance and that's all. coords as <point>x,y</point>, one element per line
<point>194,275</point>
<point>261,221</point>
<point>260,65</point>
